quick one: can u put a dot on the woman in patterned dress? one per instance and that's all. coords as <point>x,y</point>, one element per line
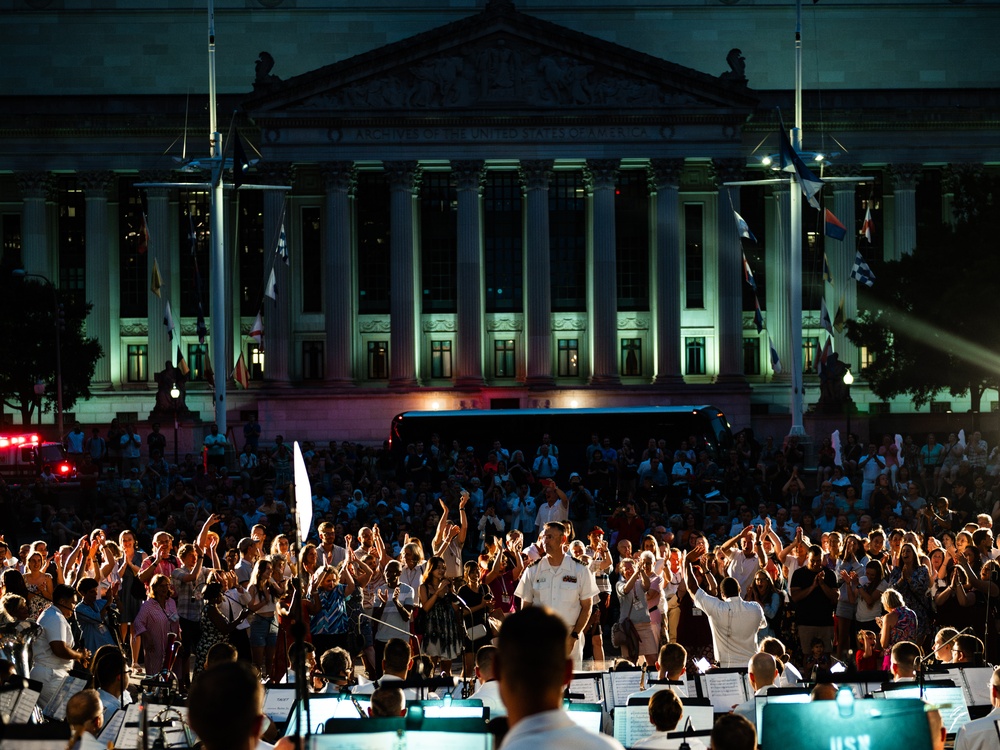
<point>443,636</point>
<point>328,620</point>
<point>38,583</point>
<point>215,627</point>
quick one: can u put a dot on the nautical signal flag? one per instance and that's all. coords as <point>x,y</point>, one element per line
<point>866,228</point>
<point>155,282</point>
<point>824,316</point>
<point>240,161</point>
<point>257,330</point>
<point>748,274</point>
<point>834,228</point>
<point>775,361</point>
<point>791,162</point>
<point>182,364</point>
<point>271,290</point>
<point>825,354</point>
<point>168,320</point>
<point>827,274</point>
<point>282,244</point>
<point>744,228</point>
<point>839,319</point>
<point>143,235</point>
<point>209,372</point>
<point>241,375</point>
<point>861,271</point>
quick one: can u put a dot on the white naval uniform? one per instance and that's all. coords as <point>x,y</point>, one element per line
<point>561,589</point>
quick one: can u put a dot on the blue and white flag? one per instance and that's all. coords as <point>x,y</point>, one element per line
<point>775,361</point>
<point>861,271</point>
<point>744,228</point>
<point>748,274</point>
<point>792,162</point>
<point>282,244</point>
<point>271,290</point>
<point>758,316</point>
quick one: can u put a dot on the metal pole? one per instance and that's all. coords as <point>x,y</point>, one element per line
<point>59,389</point>
<point>795,230</point>
<point>217,254</point>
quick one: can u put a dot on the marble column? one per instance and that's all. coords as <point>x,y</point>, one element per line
<point>535,176</point>
<point>778,295</point>
<point>404,180</point>
<point>36,253</point>
<point>665,267</point>
<point>278,339</point>
<point>338,279</point>
<point>729,273</point>
<point>841,254</point>
<point>468,178</point>
<point>601,175</point>
<point>904,180</point>
<point>161,253</point>
<point>96,186</point>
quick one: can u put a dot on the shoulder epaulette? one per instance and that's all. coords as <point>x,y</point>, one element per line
<point>534,563</point>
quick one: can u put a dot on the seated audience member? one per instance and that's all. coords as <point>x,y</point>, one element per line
<point>981,734</point>
<point>790,675</point>
<point>665,711</point>
<point>85,716</point>
<point>226,708</point>
<point>533,669</point>
<point>763,671</point>
<point>824,691</point>
<point>903,661</point>
<point>220,653</point>
<point>489,688</point>
<point>968,651</point>
<point>732,732</point>
<point>386,702</point>
<point>671,665</point>
<point>111,681</point>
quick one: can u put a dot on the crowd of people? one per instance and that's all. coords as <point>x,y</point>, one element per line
<point>879,555</point>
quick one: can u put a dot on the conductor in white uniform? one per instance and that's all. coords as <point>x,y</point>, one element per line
<point>562,583</point>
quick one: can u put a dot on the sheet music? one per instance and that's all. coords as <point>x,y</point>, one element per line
<point>56,707</point>
<point>632,725</point>
<point>609,697</point>
<point>725,689</point>
<point>7,700</point>
<point>623,684</point>
<point>975,683</point>
<point>588,687</point>
<point>25,706</point>
<point>278,703</point>
<point>110,731</point>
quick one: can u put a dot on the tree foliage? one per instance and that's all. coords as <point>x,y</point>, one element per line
<point>28,330</point>
<point>928,322</point>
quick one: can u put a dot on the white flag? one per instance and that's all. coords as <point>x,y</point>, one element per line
<point>272,287</point>
<point>168,320</point>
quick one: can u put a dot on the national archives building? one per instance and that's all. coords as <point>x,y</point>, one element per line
<point>491,204</point>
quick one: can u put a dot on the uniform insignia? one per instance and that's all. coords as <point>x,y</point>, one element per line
<point>569,579</point>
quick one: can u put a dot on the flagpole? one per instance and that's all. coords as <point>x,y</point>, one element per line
<point>216,265</point>
<point>795,239</point>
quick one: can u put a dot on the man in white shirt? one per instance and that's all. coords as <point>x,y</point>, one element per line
<point>533,670</point>
<point>397,660</point>
<point>671,666</point>
<point>762,669</point>
<point>489,688</point>
<point>329,553</point>
<point>734,622</point>
<point>53,650</point>
<point>393,606</point>
<point>665,712</point>
<point>555,507</point>
<point>563,583</point>
<point>745,555</point>
<point>984,733</point>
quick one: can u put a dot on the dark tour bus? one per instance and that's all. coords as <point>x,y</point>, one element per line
<point>569,429</point>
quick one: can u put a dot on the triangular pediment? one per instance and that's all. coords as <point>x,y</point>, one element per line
<point>499,59</point>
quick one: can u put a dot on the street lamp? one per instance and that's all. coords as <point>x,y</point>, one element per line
<point>20,273</point>
<point>848,381</point>
<point>175,393</point>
